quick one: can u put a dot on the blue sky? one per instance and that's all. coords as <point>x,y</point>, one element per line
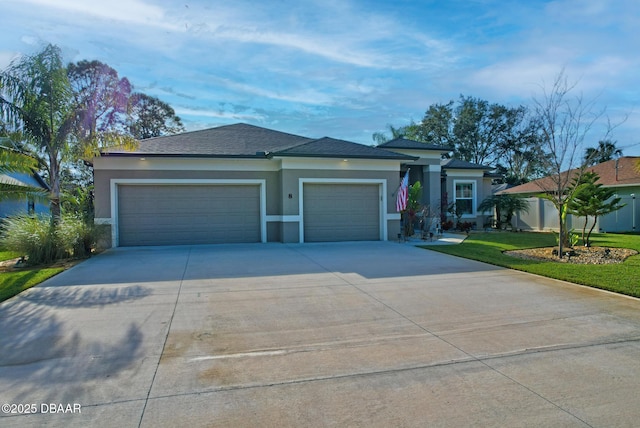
<point>345,68</point>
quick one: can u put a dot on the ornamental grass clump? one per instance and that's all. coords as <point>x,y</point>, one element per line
<point>41,241</point>
<point>32,237</point>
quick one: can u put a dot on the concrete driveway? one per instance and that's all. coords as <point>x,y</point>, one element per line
<point>346,334</point>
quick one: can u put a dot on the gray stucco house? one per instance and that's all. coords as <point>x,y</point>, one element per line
<point>243,183</point>
<point>445,181</point>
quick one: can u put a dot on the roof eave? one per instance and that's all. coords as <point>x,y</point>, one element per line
<point>187,155</point>
<point>41,181</point>
<point>338,156</point>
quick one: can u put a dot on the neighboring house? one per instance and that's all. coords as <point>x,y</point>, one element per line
<point>621,174</point>
<point>24,205</point>
<point>242,183</point>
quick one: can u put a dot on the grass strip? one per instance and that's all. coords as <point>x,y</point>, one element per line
<point>14,282</point>
<point>488,247</point>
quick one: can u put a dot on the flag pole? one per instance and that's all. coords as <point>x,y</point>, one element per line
<point>401,235</point>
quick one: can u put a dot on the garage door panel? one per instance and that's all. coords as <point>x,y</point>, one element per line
<point>188,214</point>
<point>341,212</point>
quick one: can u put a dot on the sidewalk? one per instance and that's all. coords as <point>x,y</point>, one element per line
<point>444,239</point>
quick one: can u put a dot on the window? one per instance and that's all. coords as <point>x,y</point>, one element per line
<point>465,197</point>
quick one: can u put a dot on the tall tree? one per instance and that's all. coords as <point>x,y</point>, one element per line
<point>63,119</point>
<point>476,130</point>
<point>436,126</point>
<point>520,153</point>
<point>484,133</point>
<point>36,99</point>
<point>101,100</point>
<point>565,121</point>
<point>151,117</point>
<point>605,151</point>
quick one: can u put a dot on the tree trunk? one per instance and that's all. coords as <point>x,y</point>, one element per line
<point>54,182</point>
<point>585,242</point>
<point>595,220</point>
<point>561,227</point>
<point>560,243</point>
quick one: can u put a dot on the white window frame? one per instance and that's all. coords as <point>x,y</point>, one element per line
<point>474,191</point>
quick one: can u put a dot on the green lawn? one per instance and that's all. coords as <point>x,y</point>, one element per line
<point>12,283</point>
<point>487,247</point>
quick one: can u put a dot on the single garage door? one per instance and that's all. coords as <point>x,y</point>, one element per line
<point>188,214</point>
<point>341,212</point>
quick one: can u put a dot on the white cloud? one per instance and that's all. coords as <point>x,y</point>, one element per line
<point>326,47</point>
<point>130,11</point>
<point>191,112</point>
<point>305,96</point>
<point>334,31</point>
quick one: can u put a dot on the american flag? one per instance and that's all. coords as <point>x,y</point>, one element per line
<point>403,194</point>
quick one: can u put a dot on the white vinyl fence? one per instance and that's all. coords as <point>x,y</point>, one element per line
<point>543,216</point>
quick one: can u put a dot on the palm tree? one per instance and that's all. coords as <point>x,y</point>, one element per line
<point>605,151</point>
<point>399,132</point>
<point>592,200</point>
<point>505,205</point>
<point>36,98</point>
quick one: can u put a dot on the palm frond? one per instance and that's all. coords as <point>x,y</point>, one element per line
<point>16,192</point>
<point>14,161</point>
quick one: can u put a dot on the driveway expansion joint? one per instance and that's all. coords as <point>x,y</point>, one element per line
<point>166,338</point>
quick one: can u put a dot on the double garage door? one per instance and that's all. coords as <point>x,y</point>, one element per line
<point>188,214</point>
<point>159,214</point>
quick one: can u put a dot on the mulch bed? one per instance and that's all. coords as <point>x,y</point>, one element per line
<point>578,255</point>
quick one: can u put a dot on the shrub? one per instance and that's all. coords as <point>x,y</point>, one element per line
<point>446,225</point>
<point>42,242</point>
<point>464,226</point>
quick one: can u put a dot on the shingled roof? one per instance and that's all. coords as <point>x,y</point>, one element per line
<point>333,148</point>
<point>616,172</point>
<point>238,140</point>
<point>243,140</point>
<point>403,143</point>
<point>460,164</point>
